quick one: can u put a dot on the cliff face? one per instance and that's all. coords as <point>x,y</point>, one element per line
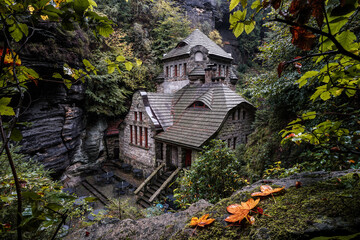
<point>56,119</point>
<point>213,14</point>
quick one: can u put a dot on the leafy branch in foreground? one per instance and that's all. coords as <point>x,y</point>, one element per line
<point>19,21</point>
<point>328,30</point>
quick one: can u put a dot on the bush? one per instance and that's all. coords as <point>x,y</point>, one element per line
<point>44,203</point>
<point>213,176</point>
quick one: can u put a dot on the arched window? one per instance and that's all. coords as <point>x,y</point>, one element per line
<point>199,57</point>
<point>198,104</point>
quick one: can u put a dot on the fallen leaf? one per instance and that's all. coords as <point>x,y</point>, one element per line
<point>241,211</point>
<point>201,222</point>
<point>298,184</point>
<point>266,190</point>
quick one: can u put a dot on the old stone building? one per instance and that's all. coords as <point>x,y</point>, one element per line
<point>195,103</point>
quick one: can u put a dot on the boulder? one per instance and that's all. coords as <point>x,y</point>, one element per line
<point>326,204</point>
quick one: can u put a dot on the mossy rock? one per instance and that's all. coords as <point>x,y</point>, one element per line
<point>324,208</point>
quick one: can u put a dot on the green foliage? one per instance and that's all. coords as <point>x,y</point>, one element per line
<point>170,26</point>
<point>214,175</point>
<point>327,126</point>
<point>108,93</point>
<point>44,202</point>
<point>124,209</point>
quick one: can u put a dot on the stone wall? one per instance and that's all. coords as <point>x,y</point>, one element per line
<point>139,156</point>
<point>237,126</point>
<point>112,143</point>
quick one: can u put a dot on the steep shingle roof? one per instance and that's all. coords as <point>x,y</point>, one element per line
<point>194,39</point>
<point>197,71</point>
<point>192,127</point>
<point>160,104</point>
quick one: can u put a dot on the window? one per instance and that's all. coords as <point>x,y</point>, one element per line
<point>184,69</point>
<point>198,57</point>
<point>131,134</point>
<point>219,73</point>
<point>198,104</point>
<point>229,142</point>
<point>244,114</point>
<point>140,116</point>
<point>141,137</point>
<point>234,145</point>
<point>227,71</point>
<point>239,113</point>
<point>146,137</point>
<point>223,71</point>
<point>136,140</point>
<point>135,116</point>
<point>233,115</point>
<point>171,71</point>
<point>180,70</point>
<point>175,71</point>
<point>167,72</point>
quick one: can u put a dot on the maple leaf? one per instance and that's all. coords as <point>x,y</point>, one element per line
<point>302,38</point>
<point>202,221</point>
<point>317,11</point>
<point>266,190</point>
<point>241,211</point>
<point>8,57</point>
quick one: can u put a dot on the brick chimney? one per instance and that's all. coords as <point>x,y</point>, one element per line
<point>209,73</point>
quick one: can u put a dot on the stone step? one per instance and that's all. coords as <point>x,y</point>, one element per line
<point>143,202</point>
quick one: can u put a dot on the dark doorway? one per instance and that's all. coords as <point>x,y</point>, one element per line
<point>187,158</point>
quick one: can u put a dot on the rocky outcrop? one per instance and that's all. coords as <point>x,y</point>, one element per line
<point>154,228</point>
<point>56,118</point>
<point>326,204</point>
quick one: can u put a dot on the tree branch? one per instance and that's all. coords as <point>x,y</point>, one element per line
<point>341,49</point>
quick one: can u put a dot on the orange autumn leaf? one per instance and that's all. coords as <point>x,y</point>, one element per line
<point>266,190</point>
<point>302,38</point>
<point>201,222</point>
<point>8,57</point>
<point>241,211</point>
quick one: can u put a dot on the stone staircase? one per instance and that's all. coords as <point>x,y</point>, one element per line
<point>156,186</point>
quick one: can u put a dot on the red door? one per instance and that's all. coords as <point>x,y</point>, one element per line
<point>188,158</point>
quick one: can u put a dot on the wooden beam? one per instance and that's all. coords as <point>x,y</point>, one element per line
<point>163,186</point>
<point>148,179</point>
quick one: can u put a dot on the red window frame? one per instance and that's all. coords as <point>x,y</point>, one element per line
<point>136,140</point>
<point>175,71</point>
<point>140,135</point>
<point>234,145</point>
<point>198,104</point>
<point>184,69</point>
<point>146,137</point>
<point>167,71</point>
<point>135,116</point>
<point>131,134</point>
<point>140,116</point>
<point>227,71</point>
